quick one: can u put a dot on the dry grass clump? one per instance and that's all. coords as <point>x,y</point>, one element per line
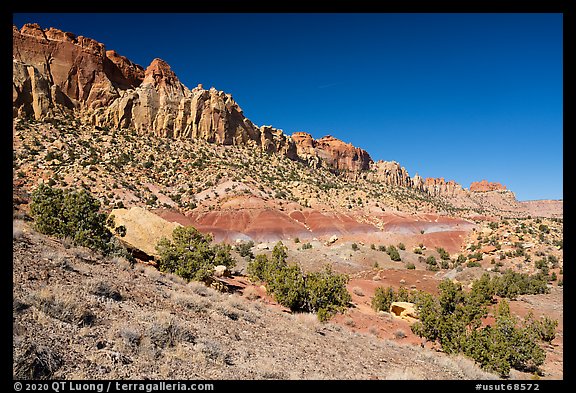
<point>121,262</point>
<point>373,330</point>
<point>403,374</point>
<point>234,308</point>
<point>35,362</point>
<point>308,319</point>
<point>202,290</point>
<point>63,306</point>
<point>131,337</point>
<point>150,272</point>
<point>192,302</point>
<point>349,322</point>
<point>104,289</point>
<point>176,279</point>
<point>212,351</point>
<point>166,331</point>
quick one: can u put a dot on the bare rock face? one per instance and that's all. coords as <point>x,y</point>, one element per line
<point>273,140</point>
<point>332,152</point>
<point>342,156</point>
<point>440,187</point>
<point>484,186</point>
<point>75,65</point>
<point>391,173</point>
<point>122,72</point>
<point>306,149</point>
<point>31,93</point>
<point>418,183</point>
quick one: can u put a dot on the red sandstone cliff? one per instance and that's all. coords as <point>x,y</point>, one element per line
<point>484,186</point>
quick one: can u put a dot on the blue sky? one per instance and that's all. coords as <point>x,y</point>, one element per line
<point>461,96</point>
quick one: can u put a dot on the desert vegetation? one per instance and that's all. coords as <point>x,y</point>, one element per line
<point>191,255</point>
<point>453,319</point>
<point>322,292</point>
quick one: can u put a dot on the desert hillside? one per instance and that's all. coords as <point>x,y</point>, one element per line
<point>98,138</point>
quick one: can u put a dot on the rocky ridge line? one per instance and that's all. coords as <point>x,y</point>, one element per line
<point>56,72</point>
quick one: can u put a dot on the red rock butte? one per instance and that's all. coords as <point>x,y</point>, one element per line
<point>485,186</point>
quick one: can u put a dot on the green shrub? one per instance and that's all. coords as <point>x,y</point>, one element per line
<point>306,246</point>
<point>545,327</point>
<point>417,250</point>
<point>453,320</point>
<point>326,290</point>
<point>401,246</point>
<point>393,253</point>
<point>355,247</point>
<point>245,249</point>
<point>257,268</point>
<point>72,214</point>
<point>443,253</point>
<point>511,284</point>
<point>191,256</point>
<point>287,285</point>
<point>410,266</point>
<point>322,292</point>
<point>383,298</point>
<point>459,261</point>
<point>505,345</point>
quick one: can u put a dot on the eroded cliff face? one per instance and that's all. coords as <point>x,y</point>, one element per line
<point>485,186</point>
<point>56,72</point>
<point>332,152</point>
<point>76,68</point>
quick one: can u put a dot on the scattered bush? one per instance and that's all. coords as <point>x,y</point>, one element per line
<point>66,213</point>
<point>505,345</point>
<point>453,319</point>
<point>166,331</point>
<point>545,327</point>
<point>355,247</point>
<point>306,246</point>
<point>393,253</point>
<point>106,290</point>
<point>191,256</point>
<point>443,253</point>
<point>511,284</point>
<point>245,249</point>
<point>383,298</point>
<point>322,292</point>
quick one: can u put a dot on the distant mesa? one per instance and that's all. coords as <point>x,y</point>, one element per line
<point>485,186</point>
